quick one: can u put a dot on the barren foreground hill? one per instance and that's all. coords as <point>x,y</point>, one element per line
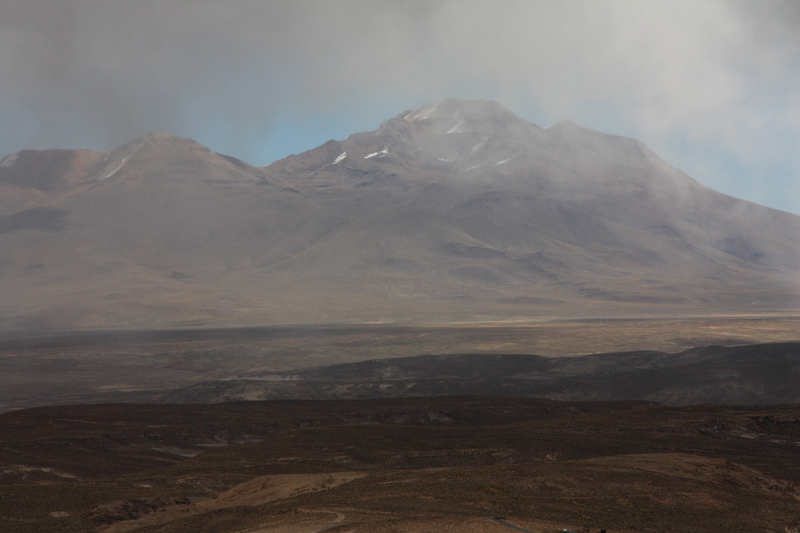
<point>402,465</point>
<point>454,211</point>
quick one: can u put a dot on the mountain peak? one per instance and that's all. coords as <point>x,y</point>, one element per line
<point>479,137</point>
<point>447,109</point>
<point>458,116</point>
<point>564,125</point>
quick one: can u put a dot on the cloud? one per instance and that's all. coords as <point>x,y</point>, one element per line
<point>719,75</point>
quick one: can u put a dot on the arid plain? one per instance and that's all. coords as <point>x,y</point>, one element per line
<point>111,366</point>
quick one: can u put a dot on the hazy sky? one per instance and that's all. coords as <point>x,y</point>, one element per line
<point>711,86</point>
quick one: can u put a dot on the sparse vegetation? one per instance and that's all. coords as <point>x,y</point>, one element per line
<point>543,464</point>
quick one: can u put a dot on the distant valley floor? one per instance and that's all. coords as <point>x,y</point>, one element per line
<point>207,365</point>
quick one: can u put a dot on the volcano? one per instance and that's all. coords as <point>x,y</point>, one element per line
<point>456,211</point>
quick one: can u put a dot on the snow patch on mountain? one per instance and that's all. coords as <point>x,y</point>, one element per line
<point>8,160</point>
<point>340,158</point>
<point>457,128</point>
<point>118,163</point>
<point>422,113</point>
<point>382,153</point>
<point>478,146</point>
<point>115,169</point>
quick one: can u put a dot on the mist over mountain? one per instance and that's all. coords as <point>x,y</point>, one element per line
<point>458,210</point>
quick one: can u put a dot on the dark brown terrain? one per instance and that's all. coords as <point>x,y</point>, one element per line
<point>454,212</point>
<point>412,465</point>
<point>745,375</point>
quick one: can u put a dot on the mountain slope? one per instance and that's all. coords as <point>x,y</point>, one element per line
<point>457,210</point>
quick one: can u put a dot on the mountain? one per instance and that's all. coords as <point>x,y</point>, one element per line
<point>459,210</point>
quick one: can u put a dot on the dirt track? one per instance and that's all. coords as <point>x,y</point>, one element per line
<point>257,491</point>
